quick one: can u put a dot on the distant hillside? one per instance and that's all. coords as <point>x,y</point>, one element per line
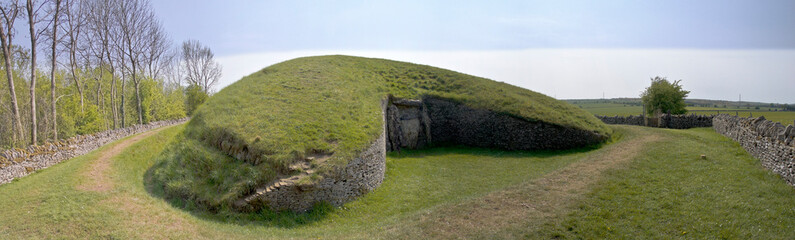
<point>783,113</point>
<point>704,103</point>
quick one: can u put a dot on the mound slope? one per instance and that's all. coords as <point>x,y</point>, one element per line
<point>309,125</point>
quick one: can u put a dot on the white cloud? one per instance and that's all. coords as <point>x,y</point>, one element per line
<point>759,75</point>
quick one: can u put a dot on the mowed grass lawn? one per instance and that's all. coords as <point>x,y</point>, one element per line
<point>670,192</point>
<point>662,191</point>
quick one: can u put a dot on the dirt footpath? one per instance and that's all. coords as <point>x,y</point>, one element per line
<point>98,175</point>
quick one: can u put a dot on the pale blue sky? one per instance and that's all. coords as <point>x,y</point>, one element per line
<point>236,26</point>
<point>565,49</point>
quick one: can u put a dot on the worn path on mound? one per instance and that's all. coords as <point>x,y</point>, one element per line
<point>531,203</point>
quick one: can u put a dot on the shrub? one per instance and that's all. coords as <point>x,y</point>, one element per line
<point>664,97</point>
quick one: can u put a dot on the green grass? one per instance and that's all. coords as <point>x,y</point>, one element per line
<point>785,118</point>
<point>46,204</point>
<point>670,192</point>
<point>326,104</point>
<point>664,192</point>
<point>612,109</point>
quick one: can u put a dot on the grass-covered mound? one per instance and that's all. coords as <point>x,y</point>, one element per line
<point>250,133</point>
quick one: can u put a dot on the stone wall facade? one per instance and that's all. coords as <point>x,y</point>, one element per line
<point>663,121</point>
<point>414,124</point>
<point>770,142</point>
<point>453,123</point>
<point>15,163</point>
<point>361,175</point>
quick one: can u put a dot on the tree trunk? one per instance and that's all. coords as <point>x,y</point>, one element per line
<point>138,98</point>
<point>73,65</point>
<point>137,84</point>
<point>6,44</point>
<point>123,118</point>
<point>52,72</point>
<point>100,98</point>
<point>112,71</point>
<point>113,100</point>
<point>33,126</point>
<point>99,91</point>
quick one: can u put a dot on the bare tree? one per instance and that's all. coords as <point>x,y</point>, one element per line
<point>157,56</point>
<point>134,19</point>
<point>122,63</point>
<point>102,29</point>
<point>91,38</point>
<point>72,27</point>
<point>200,67</point>
<point>52,71</point>
<point>10,11</point>
<point>32,10</point>
<point>173,71</point>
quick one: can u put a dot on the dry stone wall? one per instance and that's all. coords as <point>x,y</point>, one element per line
<point>664,121</point>
<point>770,142</point>
<point>15,163</point>
<point>453,123</point>
<point>685,121</point>
<point>414,124</point>
<point>623,120</point>
<point>362,175</point>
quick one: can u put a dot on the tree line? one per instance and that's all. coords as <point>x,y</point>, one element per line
<point>93,65</point>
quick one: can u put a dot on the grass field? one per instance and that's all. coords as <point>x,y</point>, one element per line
<point>669,192</point>
<point>610,108</point>
<point>648,183</point>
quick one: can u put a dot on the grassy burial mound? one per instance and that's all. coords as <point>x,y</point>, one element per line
<point>316,129</point>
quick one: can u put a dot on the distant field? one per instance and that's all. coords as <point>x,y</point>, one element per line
<point>612,107</point>
<point>782,117</point>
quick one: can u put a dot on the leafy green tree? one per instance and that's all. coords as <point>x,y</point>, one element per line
<point>174,103</point>
<point>89,121</point>
<point>150,99</point>
<point>194,97</point>
<point>160,102</point>
<point>664,97</point>
<point>74,121</point>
